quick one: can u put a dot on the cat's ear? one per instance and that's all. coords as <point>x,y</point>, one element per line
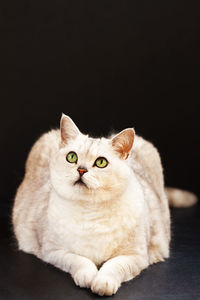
<point>68,129</point>
<point>123,142</point>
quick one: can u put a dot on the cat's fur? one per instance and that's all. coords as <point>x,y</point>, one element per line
<point>103,233</point>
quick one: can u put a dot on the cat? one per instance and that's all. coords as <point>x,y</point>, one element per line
<point>95,207</point>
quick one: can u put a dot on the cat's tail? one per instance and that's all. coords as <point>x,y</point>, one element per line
<point>180,198</point>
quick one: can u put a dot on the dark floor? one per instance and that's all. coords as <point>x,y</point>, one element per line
<point>23,276</point>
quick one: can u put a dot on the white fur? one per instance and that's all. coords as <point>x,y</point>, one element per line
<point>103,233</point>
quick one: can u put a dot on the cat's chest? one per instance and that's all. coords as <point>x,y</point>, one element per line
<point>91,233</point>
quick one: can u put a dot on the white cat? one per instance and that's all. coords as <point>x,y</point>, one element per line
<point>95,208</point>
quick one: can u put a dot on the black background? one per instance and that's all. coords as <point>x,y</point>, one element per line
<point>108,65</point>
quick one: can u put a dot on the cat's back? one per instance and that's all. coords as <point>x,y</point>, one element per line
<point>147,163</point>
<point>39,156</point>
<point>34,190</point>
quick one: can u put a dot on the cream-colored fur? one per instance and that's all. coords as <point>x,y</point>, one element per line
<point>107,230</point>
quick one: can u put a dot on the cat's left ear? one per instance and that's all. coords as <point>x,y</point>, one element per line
<point>123,142</point>
<point>68,129</point>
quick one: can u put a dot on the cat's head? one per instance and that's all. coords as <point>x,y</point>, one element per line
<point>90,169</point>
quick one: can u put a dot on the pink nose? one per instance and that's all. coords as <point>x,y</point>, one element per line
<point>82,170</point>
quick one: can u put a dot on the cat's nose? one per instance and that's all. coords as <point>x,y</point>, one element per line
<point>82,170</point>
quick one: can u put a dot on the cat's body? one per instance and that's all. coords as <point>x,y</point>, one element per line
<point>116,220</point>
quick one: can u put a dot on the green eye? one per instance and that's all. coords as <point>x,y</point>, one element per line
<point>72,157</point>
<point>101,162</point>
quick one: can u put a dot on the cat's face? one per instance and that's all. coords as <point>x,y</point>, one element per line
<point>89,169</point>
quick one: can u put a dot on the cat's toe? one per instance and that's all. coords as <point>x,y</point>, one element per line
<point>104,285</point>
<point>83,277</point>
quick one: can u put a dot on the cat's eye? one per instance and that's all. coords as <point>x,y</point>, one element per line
<point>72,157</point>
<point>101,162</point>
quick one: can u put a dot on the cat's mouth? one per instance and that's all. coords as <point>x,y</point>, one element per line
<point>80,182</point>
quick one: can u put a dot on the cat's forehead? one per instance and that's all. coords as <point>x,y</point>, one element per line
<point>90,146</point>
<point>93,145</point>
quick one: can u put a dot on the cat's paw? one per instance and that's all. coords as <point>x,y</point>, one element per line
<point>84,276</point>
<point>157,255</point>
<point>104,285</point>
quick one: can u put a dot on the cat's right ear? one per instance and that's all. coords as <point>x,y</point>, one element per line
<point>68,129</point>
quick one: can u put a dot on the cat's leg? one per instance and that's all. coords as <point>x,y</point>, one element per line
<point>158,248</point>
<point>82,269</point>
<point>123,266</point>
<point>27,239</point>
<point>117,270</point>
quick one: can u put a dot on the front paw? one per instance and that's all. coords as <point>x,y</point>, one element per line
<point>84,276</point>
<point>104,285</point>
